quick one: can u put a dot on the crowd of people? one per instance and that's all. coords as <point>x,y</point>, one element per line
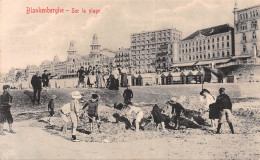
<point>218,108</point>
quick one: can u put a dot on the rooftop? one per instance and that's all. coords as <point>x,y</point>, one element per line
<point>210,31</point>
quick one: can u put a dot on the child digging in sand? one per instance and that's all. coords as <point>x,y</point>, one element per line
<point>51,107</point>
<point>138,114</point>
<point>93,111</point>
<point>74,113</point>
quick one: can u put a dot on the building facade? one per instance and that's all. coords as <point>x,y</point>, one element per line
<point>247,32</point>
<point>122,58</point>
<point>146,45</point>
<point>205,45</point>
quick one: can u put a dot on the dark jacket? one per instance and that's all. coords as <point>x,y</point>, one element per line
<point>36,82</point>
<point>51,105</point>
<point>5,101</point>
<point>128,93</point>
<point>80,73</point>
<point>177,107</point>
<point>45,77</point>
<point>92,107</point>
<point>223,102</point>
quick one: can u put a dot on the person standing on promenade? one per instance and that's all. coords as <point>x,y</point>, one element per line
<point>45,79</point>
<point>225,105</point>
<point>80,74</point>
<point>115,72</point>
<point>123,77</point>
<point>37,87</point>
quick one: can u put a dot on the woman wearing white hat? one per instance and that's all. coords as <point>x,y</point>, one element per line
<point>74,112</point>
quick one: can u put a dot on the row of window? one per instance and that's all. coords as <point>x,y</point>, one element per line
<point>245,48</point>
<point>200,57</point>
<point>243,26</point>
<point>199,49</point>
<point>199,42</point>
<point>246,15</point>
<point>244,36</point>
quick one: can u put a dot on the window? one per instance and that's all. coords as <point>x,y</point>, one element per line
<point>223,54</point>
<point>222,44</point>
<point>212,40</point>
<point>227,37</point>
<point>244,48</point>
<point>222,38</point>
<point>217,39</point>
<point>208,47</point>
<point>208,55</point>
<point>213,46</point>
<point>254,35</point>
<point>213,55</point>
<point>200,56</point>
<point>228,54</point>
<point>227,44</point>
<point>217,45</point>
<point>244,37</point>
<point>217,54</point>
<point>180,59</point>
<point>254,25</point>
<point>204,56</point>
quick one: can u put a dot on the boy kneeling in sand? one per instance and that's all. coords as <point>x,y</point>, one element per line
<point>138,112</point>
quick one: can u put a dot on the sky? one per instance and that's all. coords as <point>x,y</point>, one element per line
<point>32,38</point>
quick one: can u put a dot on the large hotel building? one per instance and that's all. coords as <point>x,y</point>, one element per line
<point>203,46</point>
<point>151,48</point>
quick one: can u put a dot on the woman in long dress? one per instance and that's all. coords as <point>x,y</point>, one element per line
<point>123,77</point>
<point>100,80</point>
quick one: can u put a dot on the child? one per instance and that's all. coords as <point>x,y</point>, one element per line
<point>177,111</point>
<point>93,111</point>
<point>51,107</point>
<point>74,113</point>
<point>158,117</point>
<point>65,113</point>
<point>138,112</point>
<point>5,113</point>
<point>128,95</point>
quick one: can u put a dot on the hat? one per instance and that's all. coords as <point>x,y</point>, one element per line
<point>45,70</point>
<point>53,96</point>
<point>6,86</point>
<point>95,96</point>
<point>81,67</point>
<point>76,95</point>
<point>173,99</point>
<point>221,89</point>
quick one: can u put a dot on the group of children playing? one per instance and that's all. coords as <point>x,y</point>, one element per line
<point>71,111</point>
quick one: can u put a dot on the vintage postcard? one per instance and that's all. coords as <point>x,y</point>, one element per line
<point>129,79</point>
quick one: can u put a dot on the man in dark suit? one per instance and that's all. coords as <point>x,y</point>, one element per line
<point>37,87</point>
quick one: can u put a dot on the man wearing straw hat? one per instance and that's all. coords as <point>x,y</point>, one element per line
<point>177,111</point>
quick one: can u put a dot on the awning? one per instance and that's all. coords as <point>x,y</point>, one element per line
<point>200,63</point>
<point>183,64</point>
<point>221,61</point>
<point>242,56</point>
<point>199,73</point>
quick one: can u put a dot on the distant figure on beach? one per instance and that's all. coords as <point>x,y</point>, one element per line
<point>92,77</point>
<point>5,113</point>
<point>123,77</point>
<point>128,95</point>
<point>100,80</point>
<point>225,105</point>
<point>210,105</point>
<point>177,111</point>
<point>45,79</point>
<point>37,87</point>
<point>115,73</point>
<point>81,75</point>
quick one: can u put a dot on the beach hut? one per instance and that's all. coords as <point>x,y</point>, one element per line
<point>157,79</point>
<point>183,77</point>
<point>176,78</point>
<point>163,79</point>
<point>133,80</point>
<point>191,78</point>
<point>149,78</point>
<point>199,76</point>
<point>169,79</point>
<point>139,80</point>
